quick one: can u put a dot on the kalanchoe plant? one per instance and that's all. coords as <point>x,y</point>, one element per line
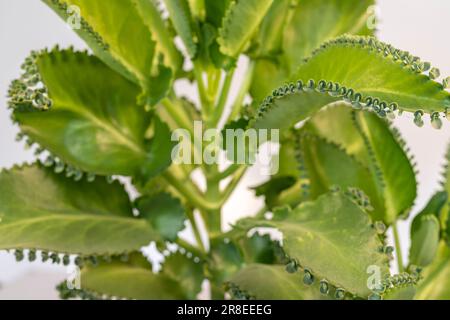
<point>345,176</point>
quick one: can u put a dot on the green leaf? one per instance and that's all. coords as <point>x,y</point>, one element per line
<point>384,79</point>
<point>90,119</point>
<point>216,10</point>
<point>387,176</point>
<point>292,30</point>
<point>180,15</point>
<point>425,231</point>
<point>314,22</point>
<point>164,212</point>
<point>271,282</point>
<point>131,280</point>
<point>42,210</point>
<point>333,238</point>
<point>240,23</point>
<point>164,40</point>
<point>401,294</point>
<point>436,282</point>
<point>115,33</point>
<point>390,164</point>
<point>329,165</point>
<point>187,272</point>
<point>424,240</point>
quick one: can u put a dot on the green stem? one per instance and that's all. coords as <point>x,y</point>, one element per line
<point>231,169</point>
<point>190,191</point>
<point>223,98</point>
<point>239,174</point>
<point>245,87</point>
<point>177,114</point>
<point>198,73</point>
<point>191,248</point>
<point>398,247</point>
<point>195,229</point>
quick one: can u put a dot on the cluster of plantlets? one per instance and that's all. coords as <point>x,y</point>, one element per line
<point>346,176</point>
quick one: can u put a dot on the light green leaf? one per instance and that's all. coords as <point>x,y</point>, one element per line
<point>334,239</point>
<point>216,10</point>
<point>42,210</point>
<point>379,80</point>
<point>329,165</point>
<point>180,15</point>
<point>88,117</point>
<point>131,280</point>
<point>314,22</point>
<point>241,20</point>
<point>164,212</point>
<point>187,272</point>
<point>271,282</point>
<point>424,240</point>
<point>165,45</point>
<point>115,32</point>
<point>436,282</point>
<point>379,148</point>
<point>296,29</point>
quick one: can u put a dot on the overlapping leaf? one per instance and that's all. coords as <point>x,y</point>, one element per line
<point>94,123</point>
<point>384,79</point>
<point>271,282</point>
<point>333,238</point>
<point>239,24</point>
<point>294,29</point>
<point>131,280</point>
<point>40,209</point>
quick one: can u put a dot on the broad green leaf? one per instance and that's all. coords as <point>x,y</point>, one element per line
<point>384,79</point>
<point>436,282</point>
<point>390,163</point>
<point>232,251</point>
<point>131,280</point>
<point>269,40</point>
<point>180,15</point>
<point>116,34</point>
<point>296,28</point>
<point>315,21</point>
<point>424,240</point>
<point>329,165</point>
<point>405,293</point>
<point>426,231</point>
<point>164,212</point>
<point>216,10</point>
<point>42,210</point>
<point>379,148</point>
<point>164,41</point>
<point>333,238</point>
<point>93,122</point>
<point>240,23</point>
<point>187,272</point>
<point>272,282</point>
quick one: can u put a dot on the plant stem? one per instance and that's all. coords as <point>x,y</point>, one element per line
<point>177,114</point>
<point>190,191</point>
<point>198,73</point>
<point>233,183</point>
<point>398,247</point>
<point>223,98</point>
<point>189,247</point>
<point>245,86</point>
<point>195,229</point>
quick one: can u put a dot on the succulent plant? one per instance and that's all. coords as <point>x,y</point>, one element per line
<point>316,74</point>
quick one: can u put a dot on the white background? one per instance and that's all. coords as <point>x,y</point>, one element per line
<point>418,26</point>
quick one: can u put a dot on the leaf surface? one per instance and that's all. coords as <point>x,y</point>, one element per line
<point>93,122</point>
<point>42,210</point>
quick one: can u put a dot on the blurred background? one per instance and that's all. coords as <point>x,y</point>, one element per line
<point>418,26</point>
